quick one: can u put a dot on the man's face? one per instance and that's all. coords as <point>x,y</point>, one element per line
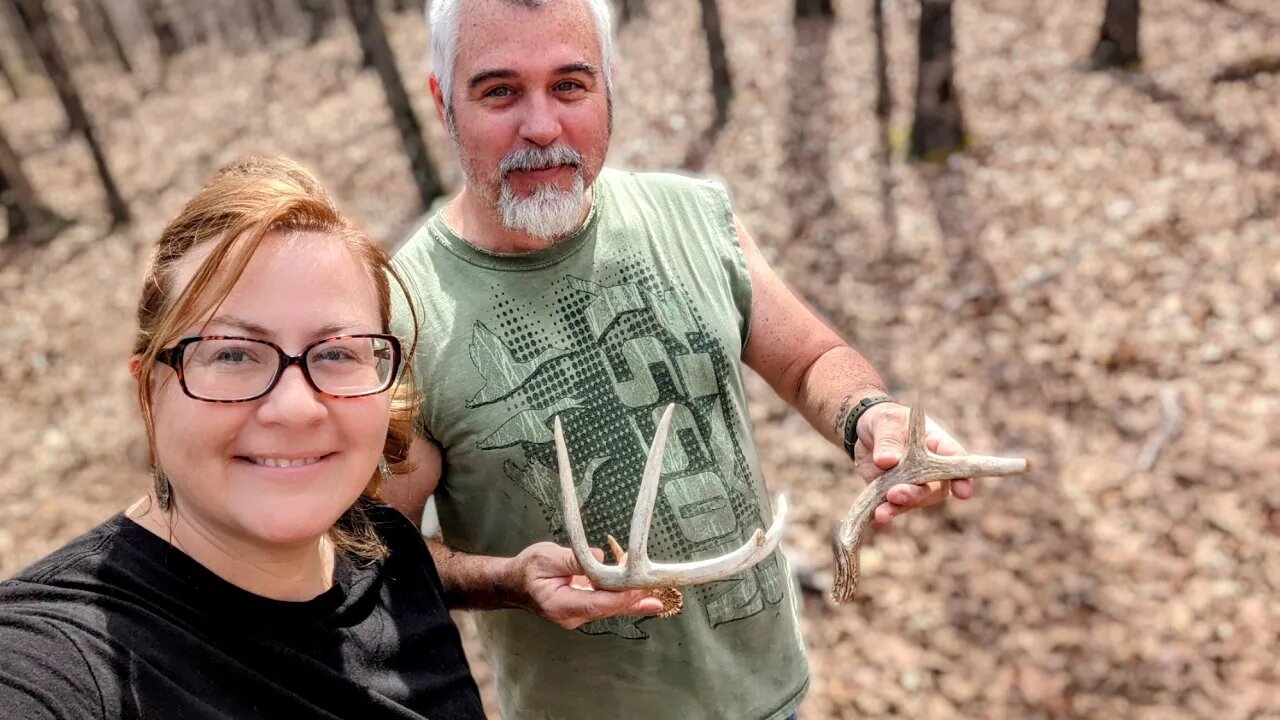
<point>529,111</point>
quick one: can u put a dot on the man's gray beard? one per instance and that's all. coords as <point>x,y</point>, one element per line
<point>550,213</point>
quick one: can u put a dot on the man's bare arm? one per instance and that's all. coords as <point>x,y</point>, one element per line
<point>544,578</point>
<point>815,371</point>
<point>810,366</point>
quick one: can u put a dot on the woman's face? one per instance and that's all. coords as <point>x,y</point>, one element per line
<point>279,470</point>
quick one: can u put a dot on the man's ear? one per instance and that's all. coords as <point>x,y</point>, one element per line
<point>438,96</point>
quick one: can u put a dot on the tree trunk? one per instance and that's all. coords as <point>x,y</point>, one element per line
<point>881,63</point>
<point>264,21</point>
<point>1118,42</point>
<point>320,15</point>
<point>629,10</point>
<point>20,59</point>
<point>162,26</point>
<point>36,21</point>
<point>30,219</point>
<point>102,32</point>
<point>815,9</point>
<point>9,81</point>
<point>938,128</point>
<point>721,81</point>
<point>287,16</point>
<point>373,39</point>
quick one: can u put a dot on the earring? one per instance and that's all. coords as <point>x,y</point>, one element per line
<point>162,488</point>
<point>384,469</point>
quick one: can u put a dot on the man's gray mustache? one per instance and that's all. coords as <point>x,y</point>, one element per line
<point>540,159</point>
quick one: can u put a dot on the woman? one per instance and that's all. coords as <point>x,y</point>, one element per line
<point>259,577</point>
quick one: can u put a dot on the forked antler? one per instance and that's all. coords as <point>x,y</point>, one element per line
<point>916,467</point>
<point>638,571</point>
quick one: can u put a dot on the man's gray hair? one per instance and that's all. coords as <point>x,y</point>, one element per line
<point>442,25</point>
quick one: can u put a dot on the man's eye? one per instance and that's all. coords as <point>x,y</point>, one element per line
<point>498,92</point>
<point>568,86</point>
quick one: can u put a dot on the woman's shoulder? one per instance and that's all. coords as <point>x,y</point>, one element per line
<point>393,527</point>
<point>82,555</point>
<point>48,671</point>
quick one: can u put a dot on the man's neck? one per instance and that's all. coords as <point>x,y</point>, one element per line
<point>467,216</point>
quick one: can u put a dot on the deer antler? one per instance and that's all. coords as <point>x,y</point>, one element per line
<point>917,467</point>
<point>638,571</point>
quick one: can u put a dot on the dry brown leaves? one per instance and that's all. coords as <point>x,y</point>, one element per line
<point>1095,286</point>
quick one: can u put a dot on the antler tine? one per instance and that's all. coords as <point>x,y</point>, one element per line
<point>759,546</point>
<point>572,514</point>
<point>916,467</point>
<point>642,518</point>
<point>638,571</point>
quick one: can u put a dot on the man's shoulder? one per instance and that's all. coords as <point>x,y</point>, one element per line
<point>417,237</point>
<point>654,181</point>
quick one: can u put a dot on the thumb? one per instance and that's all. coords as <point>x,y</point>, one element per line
<point>888,450</point>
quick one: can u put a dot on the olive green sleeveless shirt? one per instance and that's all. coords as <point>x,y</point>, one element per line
<point>649,304</point>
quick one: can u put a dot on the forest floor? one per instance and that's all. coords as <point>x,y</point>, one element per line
<point>1095,285</point>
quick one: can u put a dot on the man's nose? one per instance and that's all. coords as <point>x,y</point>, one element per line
<point>541,124</point>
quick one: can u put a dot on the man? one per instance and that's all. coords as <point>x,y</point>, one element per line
<point>550,286</point>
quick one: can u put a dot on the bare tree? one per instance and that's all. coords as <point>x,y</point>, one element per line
<point>159,18</point>
<point>721,81</point>
<point>629,10</point>
<point>1118,41</point>
<point>36,22</point>
<point>18,57</point>
<point>102,32</point>
<point>881,64</point>
<point>30,220</point>
<point>938,127</point>
<point>9,80</point>
<point>320,15</point>
<point>373,40</point>
<point>815,9</point>
<point>264,19</point>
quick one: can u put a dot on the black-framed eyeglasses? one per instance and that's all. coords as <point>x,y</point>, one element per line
<point>227,369</point>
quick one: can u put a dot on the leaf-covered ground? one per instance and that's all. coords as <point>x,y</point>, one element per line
<point>1094,285</point>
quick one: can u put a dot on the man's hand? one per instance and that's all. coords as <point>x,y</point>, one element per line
<point>550,583</point>
<point>883,429</point>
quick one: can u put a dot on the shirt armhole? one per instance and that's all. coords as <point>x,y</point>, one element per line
<point>730,251</point>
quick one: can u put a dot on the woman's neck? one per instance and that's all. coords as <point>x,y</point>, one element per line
<point>296,572</point>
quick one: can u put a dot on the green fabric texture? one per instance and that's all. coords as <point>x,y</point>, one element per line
<point>648,304</point>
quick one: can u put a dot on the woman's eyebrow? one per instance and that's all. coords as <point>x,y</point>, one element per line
<point>249,327</point>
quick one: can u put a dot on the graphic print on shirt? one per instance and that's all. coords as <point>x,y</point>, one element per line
<point>608,359</point>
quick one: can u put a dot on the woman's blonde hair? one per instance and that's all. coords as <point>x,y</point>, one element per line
<point>243,203</point>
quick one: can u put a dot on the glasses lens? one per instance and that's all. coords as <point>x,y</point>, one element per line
<point>228,369</point>
<point>352,366</point>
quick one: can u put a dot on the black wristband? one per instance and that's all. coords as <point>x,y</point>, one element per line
<point>851,422</point>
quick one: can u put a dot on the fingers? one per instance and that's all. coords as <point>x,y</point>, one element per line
<point>903,498</point>
<point>570,608</point>
<point>560,592</point>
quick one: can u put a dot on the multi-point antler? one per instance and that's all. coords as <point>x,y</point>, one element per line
<point>916,467</point>
<point>638,571</point>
